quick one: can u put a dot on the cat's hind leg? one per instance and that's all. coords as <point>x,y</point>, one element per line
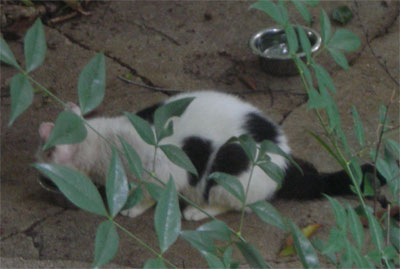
<point>139,208</point>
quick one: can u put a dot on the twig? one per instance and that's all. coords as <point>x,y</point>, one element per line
<point>383,65</point>
<point>380,137</point>
<point>63,18</point>
<point>269,90</point>
<point>148,86</point>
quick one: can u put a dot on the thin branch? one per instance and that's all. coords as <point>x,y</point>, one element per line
<point>269,90</point>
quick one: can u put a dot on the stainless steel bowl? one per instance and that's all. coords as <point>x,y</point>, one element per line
<point>271,46</point>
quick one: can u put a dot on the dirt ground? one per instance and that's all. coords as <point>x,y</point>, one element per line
<point>186,45</point>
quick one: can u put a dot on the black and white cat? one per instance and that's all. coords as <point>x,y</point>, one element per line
<point>202,131</point>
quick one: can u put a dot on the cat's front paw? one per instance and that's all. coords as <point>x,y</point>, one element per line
<point>132,212</point>
<point>191,213</point>
<point>138,209</point>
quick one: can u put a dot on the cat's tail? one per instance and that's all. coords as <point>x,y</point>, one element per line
<point>311,184</point>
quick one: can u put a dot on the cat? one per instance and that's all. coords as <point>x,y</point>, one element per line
<point>202,131</point>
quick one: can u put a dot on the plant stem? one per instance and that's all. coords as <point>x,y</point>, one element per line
<point>44,88</point>
<point>143,243</point>
<point>340,157</point>
<point>245,199</point>
<point>155,158</point>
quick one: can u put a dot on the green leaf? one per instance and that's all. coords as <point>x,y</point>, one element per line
<point>179,157</point>
<point>6,55</point>
<point>213,261</point>
<point>338,211</point>
<point>344,39</point>
<point>68,129</point>
<point>339,58</point>
<point>142,127</point>
<point>303,69</point>
<point>270,8</point>
<point>346,259</point>
<point>167,217</point>
<point>216,229</point>
<point>21,96</point>
<point>267,213</point>
<point>91,84</point>
<point>325,25</point>
<point>75,186</point>
<point>252,255</point>
<point>304,41</point>
<point>229,183</point>
<point>304,249</point>
<point>323,77</point>
<point>154,190</point>
<point>270,147</point>
<point>368,185</point>
<point>327,148</point>
<point>201,241</point>
<point>382,114</point>
<point>315,100</point>
<point>167,111</point>
<point>335,243</point>
<point>273,171</point>
<point>34,46</point>
<point>394,235</point>
<point>284,12</point>
<point>384,169</point>
<point>394,147</point>
<point>227,257</point>
<point>154,263</point>
<point>303,10</point>
<point>249,146</point>
<point>134,198</point>
<point>342,14</point>
<point>292,41</point>
<point>360,261</point>
<point>134,161</point>
<point>375,230</point>
<point>355,225</point>
<point>356,170</point>
<point>312,3</point>
<point>106,243</point>
<point>358,127</point>
<point>117,188</point>
<point>320,245</point>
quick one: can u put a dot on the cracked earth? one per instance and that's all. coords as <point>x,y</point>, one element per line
<point>179,46</point>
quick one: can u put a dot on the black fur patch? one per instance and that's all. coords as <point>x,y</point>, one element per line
<point>198,150</point>
<point>260,128</point>
<point>148,113</point>
<point>230,159</point>
<point>313,184</point>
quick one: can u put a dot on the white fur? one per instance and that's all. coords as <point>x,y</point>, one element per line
<point>212,115</point>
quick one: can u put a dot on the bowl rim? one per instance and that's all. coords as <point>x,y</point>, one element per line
<point>256,51</point>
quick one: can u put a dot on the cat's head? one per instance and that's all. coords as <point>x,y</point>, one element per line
<point>59,154</point>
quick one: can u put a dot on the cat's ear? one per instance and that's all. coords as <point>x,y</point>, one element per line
<point>45,130</point>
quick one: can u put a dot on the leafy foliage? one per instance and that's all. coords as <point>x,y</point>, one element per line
<point>167,217</point>
<point>91,84</point>
<point>68,129</point>
<point>75,186</point>
<point>21,96</point>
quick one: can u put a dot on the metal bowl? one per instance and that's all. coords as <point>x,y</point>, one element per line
<point>271,46</point>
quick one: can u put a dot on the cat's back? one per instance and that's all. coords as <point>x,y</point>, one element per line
<point>213,115</point>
